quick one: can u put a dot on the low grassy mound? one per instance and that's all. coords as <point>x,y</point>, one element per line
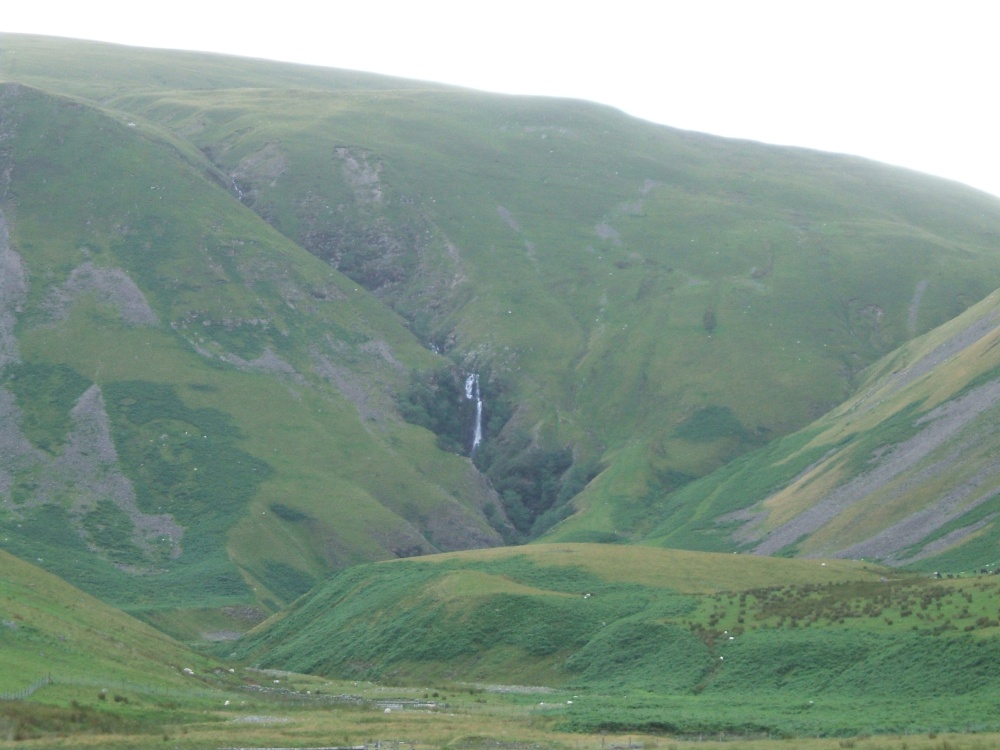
<point>673,641</point>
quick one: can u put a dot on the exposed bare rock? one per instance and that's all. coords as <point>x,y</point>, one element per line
<point>245,613</point>
<point>508,218</point>
<point>631,208</point>
<point>85,473</point>
<point>938,427</point>
<point>16,452</point>
<point>13,292</point>
<point>112,285</point>
<point>264,166</point>
<point>89,464</point>
<point>353,387</point>
<point>91,438</point>
<point>981,327</point>
<point>648,186</point>
<point>383,349</point>
<point>361,175</point>
<point>327,293</point>
<point>459,276</point>
<point>529,248</point>
<point>511,222</point>
<point>940,545</point>
<point>747,533</point>
<point>911,530</point>
<point>911,317</point>
<point>607,232</point>
<point>268,362</point>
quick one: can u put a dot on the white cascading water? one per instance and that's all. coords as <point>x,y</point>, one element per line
<point>472,392</point>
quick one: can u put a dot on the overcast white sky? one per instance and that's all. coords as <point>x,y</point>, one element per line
<point>909,83</point>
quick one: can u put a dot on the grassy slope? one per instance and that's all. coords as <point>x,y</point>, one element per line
<point>907,467</point>
<point>820,678</point>
<point>698,642</point>
<point>49,627</point>
<point>579,252</point>
<point>283,367</point>
<point>558,252</point>
<point>661,301</point>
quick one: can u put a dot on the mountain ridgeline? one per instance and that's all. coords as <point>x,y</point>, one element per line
<point>240,302</point>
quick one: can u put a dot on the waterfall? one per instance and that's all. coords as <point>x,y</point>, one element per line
<point>472,392</point>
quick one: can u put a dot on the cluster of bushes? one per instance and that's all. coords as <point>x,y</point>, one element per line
<point>186,462</point>
<point>920,605</point>
<point>111,529</point>
<point>535,482</point>
<point>25,720</point>
<point>46,394</point>
<point>182,461</point>
<point>436,400</point>
<point>283,580</point>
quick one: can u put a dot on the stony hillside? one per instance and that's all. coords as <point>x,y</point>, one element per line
<point>196,412</point>
<point>642,304</point>
<point>240,303</point>
<point>906,472</point>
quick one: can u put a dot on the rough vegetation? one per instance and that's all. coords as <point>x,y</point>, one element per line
<point>905,473</point>
<point>171,367</point>
<point>339,261</point>
<point>832,635</point>
<point>239,305</point>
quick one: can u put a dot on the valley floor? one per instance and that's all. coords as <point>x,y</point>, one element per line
<point>283,710</point>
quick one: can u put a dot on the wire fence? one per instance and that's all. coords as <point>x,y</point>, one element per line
<point>197,690</point>
<point>200,690</point>
<point>109,685</point>
<point>20,695</point>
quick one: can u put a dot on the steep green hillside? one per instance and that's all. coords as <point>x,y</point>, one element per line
<point>661,640</point>
<point>47,627</point>
<point>907,472</point>
<point>287,261</point>
<point>655,301</point>
<point>243,306</point>
<point>195,411</point>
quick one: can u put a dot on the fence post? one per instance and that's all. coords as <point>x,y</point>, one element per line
<point>20,695</point>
